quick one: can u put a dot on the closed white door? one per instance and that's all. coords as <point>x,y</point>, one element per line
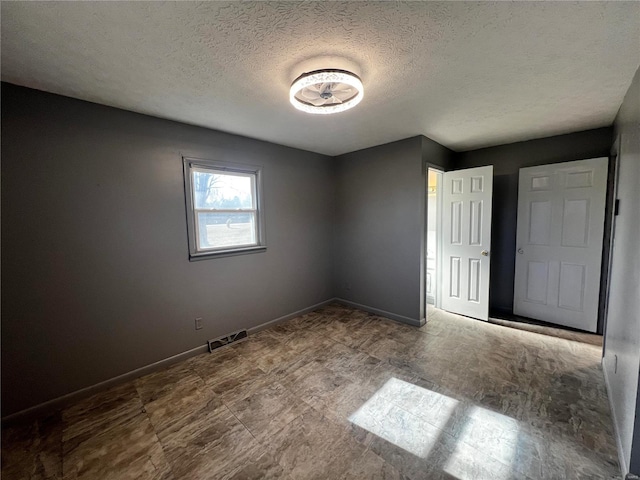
<point>466,241</point>
<point>559,242</point>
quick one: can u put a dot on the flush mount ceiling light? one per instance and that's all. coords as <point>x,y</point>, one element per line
<point>326,91</point>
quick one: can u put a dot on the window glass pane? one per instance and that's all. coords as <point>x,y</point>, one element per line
<point>216,230</point>
<point>222,190</point>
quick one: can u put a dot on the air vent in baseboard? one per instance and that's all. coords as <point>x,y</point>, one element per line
<point>227,339</point>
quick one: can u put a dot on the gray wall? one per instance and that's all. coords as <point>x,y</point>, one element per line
<point>506,161</point>
<point>623,320</point>
<point>380,225</point>
<point>96,276</point>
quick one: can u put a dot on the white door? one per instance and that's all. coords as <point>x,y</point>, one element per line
<point>466,241</point>
<point>559,242</point>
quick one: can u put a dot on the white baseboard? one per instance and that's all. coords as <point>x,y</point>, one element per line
<point>65,400</point>
<point>623,464</point>
<point>398,318</point>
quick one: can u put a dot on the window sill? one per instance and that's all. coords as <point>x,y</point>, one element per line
<point>226,253</point>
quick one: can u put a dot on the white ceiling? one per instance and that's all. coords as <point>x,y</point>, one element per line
<point>466,74</point>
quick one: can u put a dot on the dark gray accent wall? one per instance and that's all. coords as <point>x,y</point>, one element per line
<point>380,225</point>
<point>95,266</point>
<point>506,161</point>
<point>622,348</point>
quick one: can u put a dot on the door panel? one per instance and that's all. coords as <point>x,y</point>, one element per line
<point>474,280</point>
<point>575,223</point>
<point>454,291</point>
<point>467,210</point>
<point>559,242</point>
<point>540,223</point>
<point>537,275</point>
<point>571,286</point>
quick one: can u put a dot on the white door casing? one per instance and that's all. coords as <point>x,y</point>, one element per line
<point>559,242</point>
<point>466,241</point>
<point>434,244</point>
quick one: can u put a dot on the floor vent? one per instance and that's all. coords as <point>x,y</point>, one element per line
<point>227,339</point>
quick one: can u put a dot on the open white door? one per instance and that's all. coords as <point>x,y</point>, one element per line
<point>559,242</point>
<point>466,241</point>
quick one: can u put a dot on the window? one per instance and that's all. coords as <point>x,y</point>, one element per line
<point>224,208</point>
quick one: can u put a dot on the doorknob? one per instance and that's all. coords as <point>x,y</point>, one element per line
<point>484,253</point>
<point>520,251</point>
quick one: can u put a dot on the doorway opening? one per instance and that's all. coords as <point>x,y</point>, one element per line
<point>434,245</point>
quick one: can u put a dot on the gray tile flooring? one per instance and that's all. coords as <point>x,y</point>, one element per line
<point>343,394</point>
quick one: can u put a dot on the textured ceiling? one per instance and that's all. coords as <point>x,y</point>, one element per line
<point>466,74</point>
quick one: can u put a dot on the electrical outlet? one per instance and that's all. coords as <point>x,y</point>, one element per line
<point>199,323</point>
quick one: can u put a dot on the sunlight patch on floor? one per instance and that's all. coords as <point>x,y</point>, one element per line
<point>465,441</point>
<point>390,414</point>
<point>493,435</point>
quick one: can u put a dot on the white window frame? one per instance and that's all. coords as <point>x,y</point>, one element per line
<point>191,165</point>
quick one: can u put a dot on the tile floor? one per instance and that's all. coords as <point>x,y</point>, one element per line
<point>343,394</point>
